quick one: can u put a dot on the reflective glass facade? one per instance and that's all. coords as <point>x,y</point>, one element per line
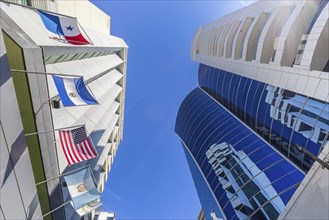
<point>207,198</point>
<point>260,116</point>
<point>283,118</point>
<point>246,175</point>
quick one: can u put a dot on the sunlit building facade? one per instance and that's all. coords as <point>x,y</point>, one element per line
<point>255,131</point>
<point>31,166</point>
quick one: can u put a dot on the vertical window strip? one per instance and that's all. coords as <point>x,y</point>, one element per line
<point>251,179</point>
<point>189,113</point>
<point>203,117</point>
<point>191,110</point>
<point>217,124</point>
<point>279,194</point>
<point>252,114</point>
<point>218,40</point>
<point>272,184</point>
<point>314,128</point>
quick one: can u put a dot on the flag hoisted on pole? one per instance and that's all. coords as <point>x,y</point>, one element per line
<point>61,27</point>
<point>88,208</point>
<point>73,91</point>
<point>83,191</point>
<point>76,145</point>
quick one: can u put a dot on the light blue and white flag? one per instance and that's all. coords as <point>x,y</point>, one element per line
<point>82,188</point>
<point>89,207</point>
<point>73,91</point>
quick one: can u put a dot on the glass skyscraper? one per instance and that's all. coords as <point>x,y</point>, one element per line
<point>250,137</point>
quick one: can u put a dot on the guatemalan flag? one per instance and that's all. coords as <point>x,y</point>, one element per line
<point>73,91</point>
<point>60,27</point>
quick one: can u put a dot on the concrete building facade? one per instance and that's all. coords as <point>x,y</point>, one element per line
<point>255,132</point>
<point>26,162</point>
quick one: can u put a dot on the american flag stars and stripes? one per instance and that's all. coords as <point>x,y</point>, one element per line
<point>76,145</point>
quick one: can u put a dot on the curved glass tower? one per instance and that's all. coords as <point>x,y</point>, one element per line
<point>245,176</point>
<point>257,127</point>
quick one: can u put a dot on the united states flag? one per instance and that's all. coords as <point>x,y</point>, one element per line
<point>76,145</point>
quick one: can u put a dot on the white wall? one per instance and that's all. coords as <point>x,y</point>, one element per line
<point>311,199</point>
<point>88,14</point>
<point>18,195</point>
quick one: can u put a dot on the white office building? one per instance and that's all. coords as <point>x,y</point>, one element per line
<point>30,166</point>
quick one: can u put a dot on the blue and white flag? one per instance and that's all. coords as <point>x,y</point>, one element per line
<point>73,91</point>
<point>88,208</point>
<point>82,188</point>
<point>61,27</point>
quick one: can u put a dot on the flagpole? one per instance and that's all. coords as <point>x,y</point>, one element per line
<point>42,132</point>
<point>56,208</point>
<point>68,42</point>
<point>63,174</point>
<point>86,81</point>
<point>42,73</point>
<point>63,40</point>
<point>45,102</point>
<point>33,8</point>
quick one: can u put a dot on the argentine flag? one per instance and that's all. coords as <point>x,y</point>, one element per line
<point>73,91</point>
<point>60,27</point>
<point>83,190</point>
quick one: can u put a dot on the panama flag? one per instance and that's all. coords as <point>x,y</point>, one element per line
<point>73,91</point>
<point>60,27</point>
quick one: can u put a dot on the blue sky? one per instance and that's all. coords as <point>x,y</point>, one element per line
<point>150,178</point>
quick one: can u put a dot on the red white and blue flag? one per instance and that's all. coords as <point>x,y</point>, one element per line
<point>63,28</point>
<point>76,145</point>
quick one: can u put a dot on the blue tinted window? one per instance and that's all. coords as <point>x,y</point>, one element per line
<point>235,161</point>
<point>272,112</point>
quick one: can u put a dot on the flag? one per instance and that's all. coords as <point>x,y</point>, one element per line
<point>76,145</point>
<point>88,208</point>
<point>73,91</point>
<point>82,189</point>
<point>61,27</point>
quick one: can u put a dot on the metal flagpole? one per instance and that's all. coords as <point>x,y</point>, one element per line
<point>45,102</point>
<point>68,42</point>
<point>72,171</point>
<point>54,74</point>
<point>324,163</point>
<point>86,82</point>
<point>43,73</point>
<point>56,208</point>
<point>42,132</point>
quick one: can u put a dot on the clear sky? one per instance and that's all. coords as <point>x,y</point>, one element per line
<point>150,178</point>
